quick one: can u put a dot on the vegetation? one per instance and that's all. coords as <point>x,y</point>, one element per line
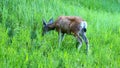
<point>22,46</point>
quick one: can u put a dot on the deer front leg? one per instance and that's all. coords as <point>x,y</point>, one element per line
<point>60,35</point>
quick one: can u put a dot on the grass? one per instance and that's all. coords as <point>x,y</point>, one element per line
<point>21,43</point>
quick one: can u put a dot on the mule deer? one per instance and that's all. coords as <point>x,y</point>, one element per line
<point>72,25</point>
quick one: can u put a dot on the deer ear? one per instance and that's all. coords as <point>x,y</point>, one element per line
<point>51,20</point>
<point>44,23</point>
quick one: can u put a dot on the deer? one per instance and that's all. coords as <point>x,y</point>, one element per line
<point>71,25</point>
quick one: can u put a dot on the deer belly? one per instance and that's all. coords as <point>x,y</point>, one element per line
<point>64,27</point>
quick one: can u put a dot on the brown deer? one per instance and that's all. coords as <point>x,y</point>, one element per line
<point>72,25</point>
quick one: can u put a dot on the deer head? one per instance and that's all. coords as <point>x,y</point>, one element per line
<point>46,26</point>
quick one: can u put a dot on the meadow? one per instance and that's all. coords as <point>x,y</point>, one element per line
<point>23,46</point>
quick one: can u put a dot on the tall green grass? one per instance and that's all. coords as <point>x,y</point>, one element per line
<point>21,43</point>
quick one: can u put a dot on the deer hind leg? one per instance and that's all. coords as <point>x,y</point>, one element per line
<point>79,41</point>
<point>86,41</point>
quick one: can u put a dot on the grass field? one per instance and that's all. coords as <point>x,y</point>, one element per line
<point>22,46</point>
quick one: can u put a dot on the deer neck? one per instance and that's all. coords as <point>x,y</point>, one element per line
<point>51,26</point>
